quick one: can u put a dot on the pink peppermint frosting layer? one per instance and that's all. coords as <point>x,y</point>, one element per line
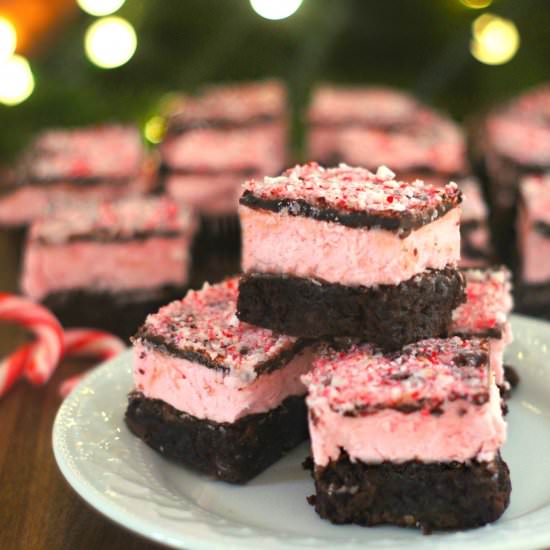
<point>237,103</point>
<point>460,433</point>
<point>208,194</point>
<point>534,246</point>
<point>376,106</point>
<point>211,150</point>
<point>435,401</point>
<point>523,140</point>
<point>304,247</point>
<point>441,151</point>
<point>122,219</point>
<point>110,266</point>
<point>27,203</point>
<point>473,205</point>
<point>98,152</point>
<point>212,394</point>
<point>205,322</point>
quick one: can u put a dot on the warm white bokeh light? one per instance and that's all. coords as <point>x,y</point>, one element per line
<point>100,7</point>
<point>154,129</point>
<point>477,4</point>
<point>8,38</point>
<point>495,40</point>
<point>110,42</point>
<point>16,80</point>
<point>275,9</point>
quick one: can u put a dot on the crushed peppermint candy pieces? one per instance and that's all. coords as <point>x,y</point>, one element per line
<point>353,189</point>
<point>488,302</point>
<point>205,323</point>
<point>422,376</point>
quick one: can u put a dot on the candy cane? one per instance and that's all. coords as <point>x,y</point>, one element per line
<point>41,358</point>
<point>12,367</point>
<point>88,343</point>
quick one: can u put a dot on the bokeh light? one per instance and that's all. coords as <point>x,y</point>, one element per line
<point>100,7</point>
<point>476,4</point>
<point>154,129</point>
<point>16,80</point>
<point>275,9</point>
<point>110,42</point>
<point>495,40</point>
<point>8,38</point>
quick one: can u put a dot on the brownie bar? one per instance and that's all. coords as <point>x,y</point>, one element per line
<point>389,316</point>
<point>412,494</point>
<point>234,452</point>
<point>120,313</point>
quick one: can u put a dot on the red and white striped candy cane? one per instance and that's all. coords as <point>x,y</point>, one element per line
<point>40,358</point>
<point>88,343</point>
<point>13,366</point>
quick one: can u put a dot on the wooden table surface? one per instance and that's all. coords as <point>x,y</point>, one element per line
<point>38,509</point>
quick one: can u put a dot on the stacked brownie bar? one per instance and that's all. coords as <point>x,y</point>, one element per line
<point>345,252</point>
<point>513,141</point>
<point>410,438</point>
<point>74,166</point>
<point>485,314</point>
<point>334,110</point>
<point>108,264</point>
<point>217,139</point>
<point>214,393</point>
<point>374,126</point>
<point>475,235</point>
<point>533,232</point>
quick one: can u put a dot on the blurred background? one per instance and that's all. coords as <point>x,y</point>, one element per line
<point>74,62</point>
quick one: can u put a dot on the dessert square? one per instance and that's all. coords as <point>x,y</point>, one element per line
<point>220,137</point>
<point>216,394</point>
<point>409,438</point>
<point>106,264</point>
<point>334,109</point>
<point>429,145</point>
<point>476,247</point>
<point>345,252</point>
<point>533,239</point>
<point>514,142</point>
<point>485,314</point>
<point>79,165</point>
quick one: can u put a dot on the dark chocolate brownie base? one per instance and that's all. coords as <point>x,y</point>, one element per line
<point>119,313</point>
<point>387,315</point>
<point>413,494</point>
<point>234,452</point>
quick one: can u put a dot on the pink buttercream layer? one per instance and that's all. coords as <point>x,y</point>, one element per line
<point>212,394</point>
<point>534,247</point>
<point>304,247</point>
<point>30,202</point>
<point>145,264</point>
<point>463,432</point>
<point>497,347</point>
<point>209,194</point>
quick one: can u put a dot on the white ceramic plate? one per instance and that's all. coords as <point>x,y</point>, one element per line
<point>128,482</point>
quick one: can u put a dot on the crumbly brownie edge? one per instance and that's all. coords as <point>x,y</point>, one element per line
<point>235,452</point>
<point>389,316</point>
<point>121,313</point>
<point>403,222</point>
<point>439,496</point>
